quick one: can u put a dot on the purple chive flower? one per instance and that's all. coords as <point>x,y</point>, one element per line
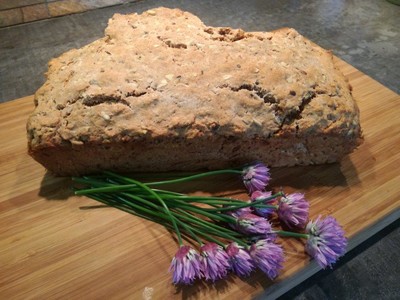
<point>256,177</point>
<point>249,223</point>
<point>270,236</point>
<point>293,210</point>
<point>263,212</point>
<point>239,260</point>
<point>236,213</point>
<point>326,242</point>
<point>185,265</point>
<point>268,256</point>
<point>214,261</point>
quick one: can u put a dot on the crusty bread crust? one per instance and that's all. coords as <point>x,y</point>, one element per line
<point>162,91</point>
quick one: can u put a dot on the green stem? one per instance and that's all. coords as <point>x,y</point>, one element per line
<point>211,201</point>
<point>120,177</point>
<point>139,207</point>
<point>143,187</point>
<point>187,216</point>
<point>108,189</point>
<point>226,236</point>
<point>217,230</point>
<point>209,238</point>
<point>248,204</point>
<point>188,229</point>
<point>219,200</point>
<point>292,234</point>
<point>196,176</point>
<point>209,226</point>
<point>178,180</point>
<point>172,219</point>
<point>132,186</point>
<point>167,193</point>
<point>218,217</point>
<point>112,188</point>
<point>133,212</point>
<point>198,199</point>
<point>214,228</point>
<point>92,182</point>
<point>127,207</point>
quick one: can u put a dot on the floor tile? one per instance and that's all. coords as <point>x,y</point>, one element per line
<point>66,7</point>
<point>7,4</point>
<point>35,12</point>
<point>10,17</point>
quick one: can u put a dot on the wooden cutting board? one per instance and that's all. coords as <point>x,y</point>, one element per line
<point>56,245</point>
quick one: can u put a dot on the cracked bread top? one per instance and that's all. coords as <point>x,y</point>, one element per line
<point>164,73</point>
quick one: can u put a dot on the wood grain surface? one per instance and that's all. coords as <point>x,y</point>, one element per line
<point>54,245</point>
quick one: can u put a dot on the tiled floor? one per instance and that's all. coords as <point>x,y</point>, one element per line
<point>23,11</point>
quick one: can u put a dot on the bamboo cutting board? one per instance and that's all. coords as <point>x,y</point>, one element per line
<point>55,245</point>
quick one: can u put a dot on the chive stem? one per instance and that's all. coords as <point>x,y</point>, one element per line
<point>172,218</point>
<point>292,234</point>
<point>196,176</point>
<point>249,204</point>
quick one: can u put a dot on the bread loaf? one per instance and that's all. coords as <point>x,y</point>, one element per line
<point>162,91</point>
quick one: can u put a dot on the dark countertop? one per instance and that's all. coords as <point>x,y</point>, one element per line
<point>366,34</point>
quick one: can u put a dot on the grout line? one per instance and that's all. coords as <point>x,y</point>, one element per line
<point>22,13</point>
<point>46,4</point>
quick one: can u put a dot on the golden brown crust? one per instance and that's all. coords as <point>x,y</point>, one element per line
<point>165,76</point>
